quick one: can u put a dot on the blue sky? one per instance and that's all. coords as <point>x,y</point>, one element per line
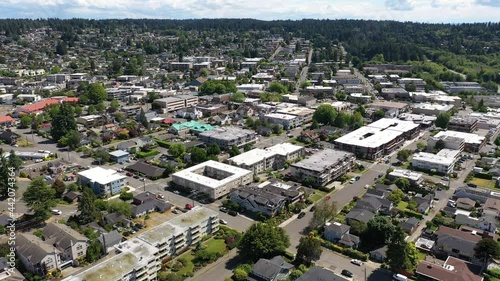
<point>454,11</point>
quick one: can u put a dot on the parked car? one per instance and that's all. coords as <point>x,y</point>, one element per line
<point>233,213</point>
<point>223,209</point>
<point>175,211</point>
<point>136,176</point>
<point>126,233</point>
<point>473,185</point>
<point>176,192</point>
<point>223,221</point>
<point>188,206</point>
<point>129,174</point>
<point>356,262</point>
<point>347,273</point>
<point>399,277</point>
<point>301,215</point>
<point>56,212</point>
<point>357,178</point>
<point>139,225</point>
<point>313,208</point>
<point>352,181</point>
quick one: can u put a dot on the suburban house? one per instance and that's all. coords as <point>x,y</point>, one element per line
<point>339,233</point>
<point>491,207</point>
<point>379,254</point>
<point>360,215</point>
<point>275,269</point>
<point>487,223</point>
<point>465,203</point>
<point>321,274</point>
<point>147,169</point>
<point>109,240</point>
<point>147,202</point>
<point>8,137</point>
<point>127,146</point>
<point>70,244</point>
<point>410,225</point>
<point>423,202</point>
<point>37,256</point>
<point>452,269</point>
<point>257,200</point>
<point>456,243</point>
<point>119,156</point>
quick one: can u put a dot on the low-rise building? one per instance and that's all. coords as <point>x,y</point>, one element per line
<point>323,167</point>
<point>452,269</point>
<point>473,142</point>
<point>274,157</point>
<point>226,137</point>
<point>378,139</point>
<point>450,142</point>
<point>257,200</point>
<point>192,127</point>
<point>175,103</point>
<point>414,177</point>
<point>463,124</point>
<point>275,269</point>
<point>442,162</point>
<point>36,256</point>
<point>70,244</point>
<point>431,109</point>
<point>213,178</point>
<point>90,121</point>
<point>119,156</point>
<point>285,121</point>
<point>103,181</point>
<point>303,114</point>
<point>339,233</point>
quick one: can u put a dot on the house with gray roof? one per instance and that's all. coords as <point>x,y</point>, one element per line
<point>409,225</point>
<point>321,274</point>
<point>369,203</point>
<point>361,215</point>
<point>257,200</point>
<point>339,233</point>
<point>275,269</point>
<point>147,202</point>
<point>37,256</point>
<point>109,240</point>
<point>71,244</point>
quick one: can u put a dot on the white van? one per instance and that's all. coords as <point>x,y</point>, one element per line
<point>399,277</point>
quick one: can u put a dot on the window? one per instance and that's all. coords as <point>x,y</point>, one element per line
<point>79,247</point>
<point>80,254</point>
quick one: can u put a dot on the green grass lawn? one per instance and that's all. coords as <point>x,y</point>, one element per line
<point>317,195</point>
<point>402,205</point>
<point>215,245</point>
<point>490,184</point>
<point>189,265</point>
<point>421,256</point>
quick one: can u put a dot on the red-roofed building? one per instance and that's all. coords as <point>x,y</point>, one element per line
<point>39,106</point>
<point>168,121</point>
<point>452,270</point>
<point>7,121</point>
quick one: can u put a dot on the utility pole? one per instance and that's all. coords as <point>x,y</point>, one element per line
<point>366,278</point>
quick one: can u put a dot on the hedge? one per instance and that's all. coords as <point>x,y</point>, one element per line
<point>162,143</point>
<point>483,176</point>
<point>355,254</point>
<point>493,272</point>
<point>147,154</point>
<point>410,213</point>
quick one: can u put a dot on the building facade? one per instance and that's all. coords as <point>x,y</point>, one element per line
<point>103,181</point>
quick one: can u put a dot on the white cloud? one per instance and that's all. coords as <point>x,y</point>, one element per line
<point>400,5</point>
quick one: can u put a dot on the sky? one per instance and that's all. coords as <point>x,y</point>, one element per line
<point>433,11</point>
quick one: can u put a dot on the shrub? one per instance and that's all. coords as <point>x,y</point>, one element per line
<point>147,154</point>
<point>483,176</point>
<point>410,213</point>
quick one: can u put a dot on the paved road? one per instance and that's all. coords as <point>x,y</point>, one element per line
<point>220,270</point>
<point>278,50</point>
<point>303,73</point>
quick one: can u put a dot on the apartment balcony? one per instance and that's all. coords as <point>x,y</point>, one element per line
<point>178,241</point>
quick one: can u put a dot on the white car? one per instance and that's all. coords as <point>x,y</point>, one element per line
<point>352,181</point>
<point>56,212</point>
<point>176,192</point>
<point>356,262</point>
<point>223,221</point>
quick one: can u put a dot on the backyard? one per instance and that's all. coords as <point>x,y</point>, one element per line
<point>490,184</point>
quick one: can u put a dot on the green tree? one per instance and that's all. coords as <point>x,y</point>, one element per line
<point>59,186</point>
<point>358,228</point>
<point>63,121</point>
<point>324,212</point>
<point>410,87</point>
<point>263,240</point>
<point>61,48</point>
<point>277,87</point>
<point>396,196</point>
<point>314,124</point>
<point>26,121</point>
<point>487,249</point>
<point>295,274</point>
<point>198,155</point>
<point>91,109</point>
<point>114,105</point>
<point>14,161</point>
<point>96,93</point>
<point>166,276</point>
<point>234,151</point>
<point>401,255</point>
<point>403,184</point>
<point>404,154</point>
<point>40,198</point>
<point>421,146</point>
<point>143,119</point>
<point>86,206</point>
<point>378,232</point>
<point>325,114</point>
<point>305,84</point>
<point>213,149</point>
<point>443,119</point>
<point>73,139</point>
<point>177,149</point>
<point>308,250</point>
<point>341,120</point>
<point>379,114</point>
<point>238,97</point>
<point>341,96</point>
<point>120,207</point>
<point>102,156</point>
<point>94,251</point>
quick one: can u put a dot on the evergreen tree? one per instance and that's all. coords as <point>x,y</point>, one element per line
<point>86,207</point>
<point>63,121</point>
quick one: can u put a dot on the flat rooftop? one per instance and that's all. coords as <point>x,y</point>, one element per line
<point>280,116</point>
<point>227,133</point>
<point>433,158</point>
<point>389,104</point>
<point>256,155</point>
<point>101,176</point>
<point>135,254</point>
<point>467,137</point>
<point>322,160</point>
<point>195,216</point>
<point>191,175</point>
<point>406,174</point>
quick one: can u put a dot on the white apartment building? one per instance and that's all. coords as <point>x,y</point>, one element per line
<point>182,231</point>
<point>324,166</point>
<point>245,88</point>
<point>103,181</point>
<point>226,137</point>
<point>473,142</point>
<point>285,121</point>
<point>135,260</point>
<point>175,103</point>
<point>431,108</point>
<point>303,114</point>
<point>442,162</point>
<point>213,178</point>
<point>274,157</point>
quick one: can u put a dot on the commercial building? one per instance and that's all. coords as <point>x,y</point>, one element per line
<point>303,114</point>
<point>418,82</point>
<point>182,231</point>
<point>319,91</point>
<point>431,108</point>
<point>90,121</point>
<point>457,87</point>
<point>213,178</point>
<point>182,66</point>
<point>414,177</point>
<point>473,142</point>
<point>119,156</point>
<point>285,121</point>
<point>192,127</point>
<point>397,107</point>
<point>442,162</point>
<point>378,139</point>
<point>323,166</point>
<point>447,142</point>
<point>103,181</point>
<point>245,88</point>
<point>177,102</point>
<point>134,260</point>
<point>463,124</point>
<point>226,137</point>
<point>274,157</point>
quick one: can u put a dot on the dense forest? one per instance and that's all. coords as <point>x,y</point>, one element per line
<point>472,48</point>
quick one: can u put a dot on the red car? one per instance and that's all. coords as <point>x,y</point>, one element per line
<point>129,174</point>
<point>189,207</point>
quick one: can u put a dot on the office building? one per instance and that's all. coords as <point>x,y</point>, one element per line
<point>472,142</point>
<point>226,137</point>
<point>431,109</point>
<point>103,181</point>
<point>463,124</point>
<point>212,178</point>
<point>323,166</point>
<point>443,162</point>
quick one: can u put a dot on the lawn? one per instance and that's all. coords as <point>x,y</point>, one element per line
<point>483,183</point>
<point>189,267</point>
<point>317,195</point>
<point>421,256</point>
<point>215,246</point>
<point>402,205</point>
